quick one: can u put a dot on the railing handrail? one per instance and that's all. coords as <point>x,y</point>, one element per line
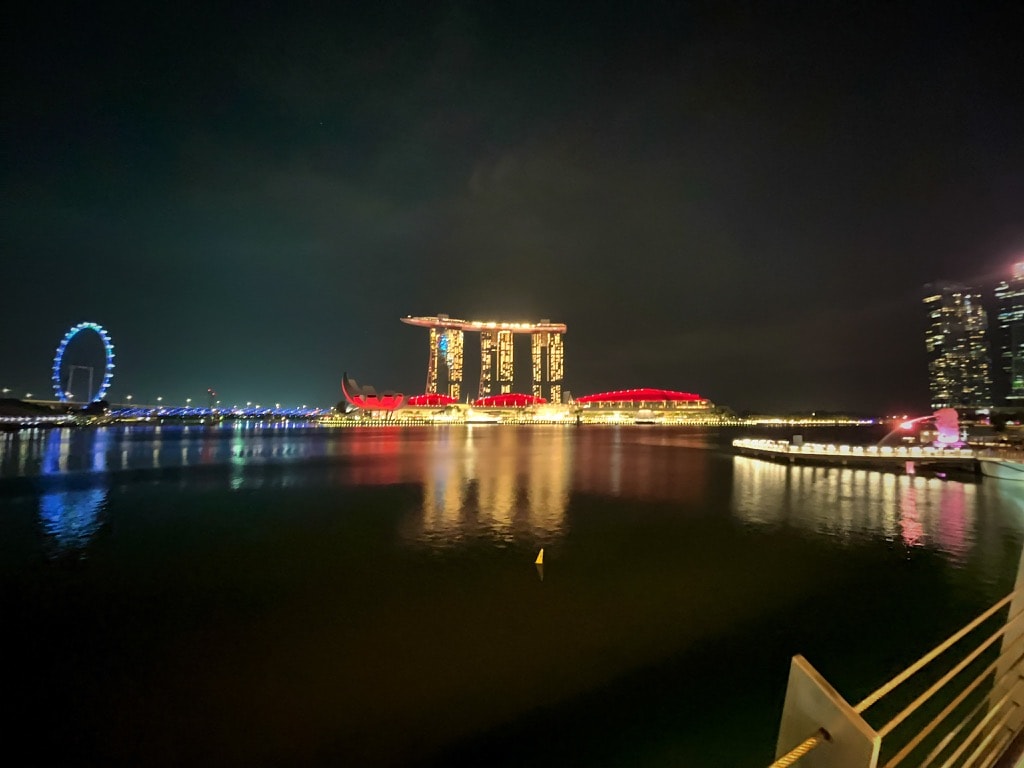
<point>941,682</point>
<point>921,735</point>
<point>801,749</point>
<point>874,697</point>
<point>995,721</point>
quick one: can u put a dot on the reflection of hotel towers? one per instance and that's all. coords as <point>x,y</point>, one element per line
<point>497,365</point>
<point>519,489</point>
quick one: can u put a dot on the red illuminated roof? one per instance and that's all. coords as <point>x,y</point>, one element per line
<point>367,397</point>
<point>431,399</point>
<point>644,395</point>
<point>511,400</point>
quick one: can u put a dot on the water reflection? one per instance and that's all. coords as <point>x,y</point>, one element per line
<point>476,481</point>
<point>71,517</point>
<point>495,483</point>
<point>507,483</point>
<point>34,453</point>
<point>636,463</point>
<point>859,504</point>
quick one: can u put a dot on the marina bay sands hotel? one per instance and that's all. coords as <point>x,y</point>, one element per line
<point>497,369</point>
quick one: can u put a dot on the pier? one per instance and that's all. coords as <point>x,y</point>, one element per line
<point>900,458</point>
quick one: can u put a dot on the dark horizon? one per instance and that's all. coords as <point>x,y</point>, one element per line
<point>739,201</point>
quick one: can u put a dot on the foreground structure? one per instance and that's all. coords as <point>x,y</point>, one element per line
<point>972,716</point>
<point>497,355</point>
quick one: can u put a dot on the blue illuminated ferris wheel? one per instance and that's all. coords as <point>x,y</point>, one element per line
<point>62,386</point>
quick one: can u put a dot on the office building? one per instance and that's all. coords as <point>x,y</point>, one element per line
<point>959,368</point>
<point>1010,296</point>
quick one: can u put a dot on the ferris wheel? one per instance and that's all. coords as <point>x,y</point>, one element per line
<point>64,375</point>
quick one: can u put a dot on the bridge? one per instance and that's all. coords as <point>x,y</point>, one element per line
<point>55,413</point>
<point>191,412</point>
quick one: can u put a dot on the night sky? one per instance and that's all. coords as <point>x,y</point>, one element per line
<point>737,199</point>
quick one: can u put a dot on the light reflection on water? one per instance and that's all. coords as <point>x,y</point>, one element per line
<point>379,589</point>
<point>503,483</point>
<point>499,484</point>
<point>71,517</point>
<point>36,452</point>
<point>860,504</point>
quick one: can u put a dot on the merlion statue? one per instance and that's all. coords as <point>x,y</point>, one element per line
<point>947,424</point>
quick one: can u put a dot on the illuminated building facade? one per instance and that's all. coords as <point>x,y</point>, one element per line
<point>548,357</point>
<point>497,358</point>
<point>445,362</point>
<point>959,373</point>
<point>662,401</point>
<point>1010,295</point>
<point>497,355</point>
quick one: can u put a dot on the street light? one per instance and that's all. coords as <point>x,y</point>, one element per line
<point>28,395</point>
<point>188,402</point>
<point>6,390</point>
<point>129,399</point>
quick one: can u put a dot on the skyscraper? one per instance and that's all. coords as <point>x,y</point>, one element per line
<point>497,358</point>
<point>959,372</point>
<point>1010,295</point>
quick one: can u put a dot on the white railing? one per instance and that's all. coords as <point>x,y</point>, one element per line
<point>970,710</point>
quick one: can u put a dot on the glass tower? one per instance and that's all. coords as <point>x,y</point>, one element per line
<point>1010,295</point>
<point>959,371</point>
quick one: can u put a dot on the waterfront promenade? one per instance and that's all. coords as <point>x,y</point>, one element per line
<point>899,458</point>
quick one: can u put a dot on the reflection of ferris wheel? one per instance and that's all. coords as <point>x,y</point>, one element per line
<point>62,384</point>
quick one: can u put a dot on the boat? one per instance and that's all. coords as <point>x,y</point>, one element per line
<point>479,417</point>
<point>1001,467</point>
<point>645,416</point>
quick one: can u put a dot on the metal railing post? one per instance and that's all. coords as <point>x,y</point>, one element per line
<point>813,706</point>
<point>1007,682</point>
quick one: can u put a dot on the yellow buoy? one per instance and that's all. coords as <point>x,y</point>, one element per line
<point>540,557</point>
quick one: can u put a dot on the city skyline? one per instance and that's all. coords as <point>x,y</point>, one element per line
<point>738,201</point>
